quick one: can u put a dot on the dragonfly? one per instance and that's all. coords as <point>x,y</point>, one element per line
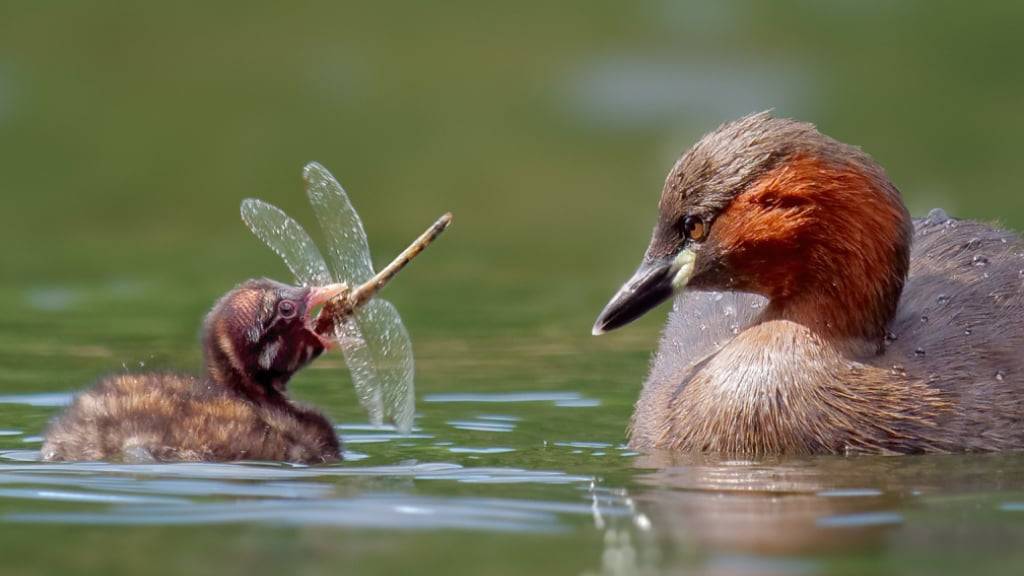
<point>367,329</point>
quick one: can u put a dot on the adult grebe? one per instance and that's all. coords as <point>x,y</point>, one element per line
<point>817,317</point>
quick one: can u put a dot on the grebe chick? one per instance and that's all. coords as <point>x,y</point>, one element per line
<point>817,317</point>
<point>254,340</point>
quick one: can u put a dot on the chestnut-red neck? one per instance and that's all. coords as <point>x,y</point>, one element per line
<point>830,244</point>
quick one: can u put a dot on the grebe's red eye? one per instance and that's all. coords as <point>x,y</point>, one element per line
<point>287,309</point>
<point>694,227</point>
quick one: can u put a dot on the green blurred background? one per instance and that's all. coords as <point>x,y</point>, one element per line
<point>129,133</point>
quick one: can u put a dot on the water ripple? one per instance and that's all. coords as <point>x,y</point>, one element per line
<point>391,511</point>
<point>559,398</point>
<point>481,425</point>
<point>44,400</point>
<point>860,520</point>
<point>277,471</point>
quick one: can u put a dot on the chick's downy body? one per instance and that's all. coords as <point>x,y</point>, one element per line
<point>177,417</point>
<point>255,339</point>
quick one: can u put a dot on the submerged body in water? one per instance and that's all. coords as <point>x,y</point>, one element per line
<point>812,315</point>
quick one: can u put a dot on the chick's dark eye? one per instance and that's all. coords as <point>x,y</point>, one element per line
<point>694,227</point>
<point>287,309</point>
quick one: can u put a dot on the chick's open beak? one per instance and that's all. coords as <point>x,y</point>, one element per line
<point>318,296</point>
<point>652,283</point>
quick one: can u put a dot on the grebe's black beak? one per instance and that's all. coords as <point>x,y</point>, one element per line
<point>652,283</point>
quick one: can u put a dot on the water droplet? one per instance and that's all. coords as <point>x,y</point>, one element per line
<point>919,352</point>
<point>942,299</point>
<point>924,318</point>
<point>890,337</point>
<point>1000,375</point>
<point>937,216</point>
<point>979,260</point>
<point>967,332</point>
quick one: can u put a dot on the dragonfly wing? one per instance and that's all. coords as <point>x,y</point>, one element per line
<point>375,343</point>
<point>379,353</point>
<point>362,365</point>
<point>346,239</point>
<point>391,347</point>
<point>288,239</point>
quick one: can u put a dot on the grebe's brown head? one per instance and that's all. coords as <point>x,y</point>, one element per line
<point>260,333</point>
<point>771,206</point>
